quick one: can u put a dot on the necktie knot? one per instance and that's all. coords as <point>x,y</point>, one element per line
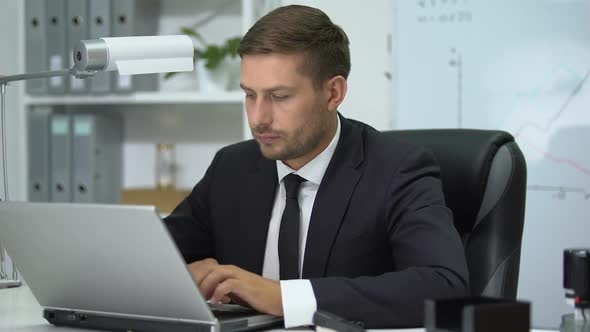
<point>292,182</point>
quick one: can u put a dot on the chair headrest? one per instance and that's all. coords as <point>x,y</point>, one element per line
<point>465,157</point>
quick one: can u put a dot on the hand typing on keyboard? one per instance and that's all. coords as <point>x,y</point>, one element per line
<point>225,283</point>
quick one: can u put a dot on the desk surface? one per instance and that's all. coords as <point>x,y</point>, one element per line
<point>20,312</point>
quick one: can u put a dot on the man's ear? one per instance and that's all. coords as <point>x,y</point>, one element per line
<point>335,89</point>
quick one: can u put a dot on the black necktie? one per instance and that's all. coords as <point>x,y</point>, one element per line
<point>289,231</point>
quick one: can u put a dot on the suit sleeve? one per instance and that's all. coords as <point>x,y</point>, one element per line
<point>190,225</point>
<point>428,257</point>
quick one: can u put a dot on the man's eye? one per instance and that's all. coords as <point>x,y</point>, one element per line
<point>250,96</point>
<point>279,97</point>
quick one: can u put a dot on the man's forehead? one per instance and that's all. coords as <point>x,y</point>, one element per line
<point>274,58</point>
<point>272,71</point>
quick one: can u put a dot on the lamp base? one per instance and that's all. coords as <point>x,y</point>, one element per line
<point>10,283</point>
<point>570,324</point>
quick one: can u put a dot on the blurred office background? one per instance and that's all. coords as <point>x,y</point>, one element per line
<point>520,66</point>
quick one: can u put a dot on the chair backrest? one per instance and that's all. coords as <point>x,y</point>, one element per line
<point>484,183</point>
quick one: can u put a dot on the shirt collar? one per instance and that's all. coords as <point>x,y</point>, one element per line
<point>314,170</point>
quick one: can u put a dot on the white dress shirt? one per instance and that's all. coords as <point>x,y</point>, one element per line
<point>299,302</point>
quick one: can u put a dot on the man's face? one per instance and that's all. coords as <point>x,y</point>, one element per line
<point>287,114</point>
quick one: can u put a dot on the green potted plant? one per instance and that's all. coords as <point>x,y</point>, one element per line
<point>211,57</point>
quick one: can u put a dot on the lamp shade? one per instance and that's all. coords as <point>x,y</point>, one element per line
<point>135,55</point>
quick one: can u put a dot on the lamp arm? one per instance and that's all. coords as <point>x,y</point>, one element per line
<point>4,281</point>
<point>44,74</point>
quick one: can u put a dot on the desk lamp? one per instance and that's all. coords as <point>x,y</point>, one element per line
<point>128,56</point>
<point>576,282</point>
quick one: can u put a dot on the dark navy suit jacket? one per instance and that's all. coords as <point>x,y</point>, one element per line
<point>380,239</point>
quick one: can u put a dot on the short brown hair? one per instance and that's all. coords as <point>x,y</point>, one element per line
<point>301,29</point>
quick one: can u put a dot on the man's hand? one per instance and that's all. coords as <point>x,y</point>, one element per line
<point>222,283</point>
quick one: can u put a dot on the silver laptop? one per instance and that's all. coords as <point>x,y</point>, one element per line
<point>110,267</point>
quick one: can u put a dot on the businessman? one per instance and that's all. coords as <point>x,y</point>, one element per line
<point>317,211</point>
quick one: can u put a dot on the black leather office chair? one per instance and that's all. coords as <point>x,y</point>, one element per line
<point>484,182</point>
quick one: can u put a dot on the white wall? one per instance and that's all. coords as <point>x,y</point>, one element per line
<point>368,26</point>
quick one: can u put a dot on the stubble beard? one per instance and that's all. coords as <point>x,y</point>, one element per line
<point>296,145</point>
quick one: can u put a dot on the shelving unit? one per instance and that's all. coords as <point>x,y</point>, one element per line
<point>139,98</point>
<point>197,119</point>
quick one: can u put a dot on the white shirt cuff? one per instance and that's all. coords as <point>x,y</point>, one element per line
<point>299,302</point>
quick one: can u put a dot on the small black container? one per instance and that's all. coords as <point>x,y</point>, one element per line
<point>477,314</point>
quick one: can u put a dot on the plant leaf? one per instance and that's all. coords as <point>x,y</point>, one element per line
<point>213,56</point>
<point>232,46</point>
<point>189,31</point>
<point>169,75</point>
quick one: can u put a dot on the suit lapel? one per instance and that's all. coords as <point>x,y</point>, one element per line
<point>258,195</point>
<point>332,199</point>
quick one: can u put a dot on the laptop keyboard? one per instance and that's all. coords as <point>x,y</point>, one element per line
<point>226,311</point>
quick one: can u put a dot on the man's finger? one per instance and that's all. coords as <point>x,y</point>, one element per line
<point>204,263</point>
<point>238,300</point>
<point>200,269</point>
<point>223,290</point>
<point>218,275</point>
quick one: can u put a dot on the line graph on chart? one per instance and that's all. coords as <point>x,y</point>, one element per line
<point>536,133</point>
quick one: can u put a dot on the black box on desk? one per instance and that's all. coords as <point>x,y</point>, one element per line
<point>476,314</point>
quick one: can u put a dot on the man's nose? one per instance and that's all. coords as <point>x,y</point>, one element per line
<point>261,112</point>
